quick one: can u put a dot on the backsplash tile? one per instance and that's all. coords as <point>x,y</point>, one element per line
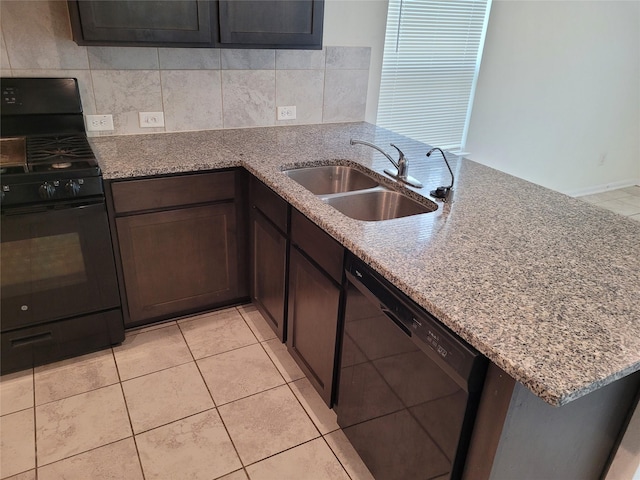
<point>192,99</point>
<point>124,93</point>
<point>349,58</point>
<point>304,89</point>
<point>196,88</point>
<point>189,58</point>
<point>345,95</point>
<point>249,98</point>
<point>300,59</point>
<point>247,59</point>
<point>4,57</point>
<point>123,58</point>
<point>38,35</point>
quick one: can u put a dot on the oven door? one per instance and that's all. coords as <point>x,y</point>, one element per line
<point>57,262</point>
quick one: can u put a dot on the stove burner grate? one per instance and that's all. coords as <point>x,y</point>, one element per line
<point>58,149</point>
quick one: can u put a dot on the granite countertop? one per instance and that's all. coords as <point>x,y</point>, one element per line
<point>546,286</point>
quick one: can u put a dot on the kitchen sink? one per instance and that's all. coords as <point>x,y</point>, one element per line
<point>378,204</point>
<point>331,179</point>
<point>356,194</point>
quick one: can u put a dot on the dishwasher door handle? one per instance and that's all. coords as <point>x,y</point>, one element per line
<point>395,320</point>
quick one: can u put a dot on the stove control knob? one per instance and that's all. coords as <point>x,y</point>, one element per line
<point>47,191</point>
<point>72,187</point>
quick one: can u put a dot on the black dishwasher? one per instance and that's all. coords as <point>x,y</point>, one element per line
<point>408,387</point>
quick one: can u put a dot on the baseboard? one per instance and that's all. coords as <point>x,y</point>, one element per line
<point>603,188</point>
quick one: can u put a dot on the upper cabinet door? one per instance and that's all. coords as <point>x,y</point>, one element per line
<point>187,23</point>
<point>271,23</point>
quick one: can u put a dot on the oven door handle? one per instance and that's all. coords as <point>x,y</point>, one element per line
<point>45,207</point>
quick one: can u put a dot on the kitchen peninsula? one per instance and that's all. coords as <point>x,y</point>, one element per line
<point>544,285</point>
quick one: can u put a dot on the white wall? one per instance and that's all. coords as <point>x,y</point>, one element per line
<point>558,96</point>
<point>359,23</point>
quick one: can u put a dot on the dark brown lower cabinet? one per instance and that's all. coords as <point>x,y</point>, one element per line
<point>314,302</point>
<point>178,261</point>
<point>316,263</point>
<point>268,270</point>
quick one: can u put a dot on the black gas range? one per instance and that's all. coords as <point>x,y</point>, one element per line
<point>45,155</point>
<point>59,290</point>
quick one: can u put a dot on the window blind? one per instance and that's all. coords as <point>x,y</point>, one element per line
<point>430,66</point>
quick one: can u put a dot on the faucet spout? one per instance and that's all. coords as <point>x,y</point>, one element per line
<point>402,165</point>
<point>375,147</point>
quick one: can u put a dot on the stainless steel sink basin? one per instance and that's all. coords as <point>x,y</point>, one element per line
<point>378,204</point>
<point>356,194</point>
<point>331,179</point>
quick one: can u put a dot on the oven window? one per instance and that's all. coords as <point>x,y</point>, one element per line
<point>43,263</point>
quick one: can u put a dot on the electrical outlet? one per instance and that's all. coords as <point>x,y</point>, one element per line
<point>151,119</point>
<point>286,113</point>
<point>99,123</point>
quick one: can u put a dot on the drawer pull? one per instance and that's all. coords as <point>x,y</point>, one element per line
<point>40,337</point>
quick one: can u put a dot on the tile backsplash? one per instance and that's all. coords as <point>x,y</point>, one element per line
<point>196,88</point>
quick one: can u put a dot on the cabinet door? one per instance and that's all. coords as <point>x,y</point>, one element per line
<point>147,22</point>
<point>178,261</point>
<point>268,271</point>
<point>271,23</point>
<point>314,301</point>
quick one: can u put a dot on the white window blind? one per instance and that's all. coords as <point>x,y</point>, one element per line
<point>432,54</point>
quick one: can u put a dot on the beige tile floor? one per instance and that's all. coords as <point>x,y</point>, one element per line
<point>625,201</point>
<point>214,396</point>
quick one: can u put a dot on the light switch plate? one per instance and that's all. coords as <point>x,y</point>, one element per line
<point>151,119</point>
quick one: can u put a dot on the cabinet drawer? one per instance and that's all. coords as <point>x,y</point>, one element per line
<point>323,249</point>
<point>166,192</point>
<point>269,203</point>
<point>53,341</point>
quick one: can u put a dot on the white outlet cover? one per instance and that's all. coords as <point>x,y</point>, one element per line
<point>286,113</point>
<point>99,123</point>
<point>151,119</point>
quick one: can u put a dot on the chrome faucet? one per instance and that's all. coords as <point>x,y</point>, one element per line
<point>401,172</point>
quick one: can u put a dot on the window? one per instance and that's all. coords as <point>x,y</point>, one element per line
<point>430,66</point>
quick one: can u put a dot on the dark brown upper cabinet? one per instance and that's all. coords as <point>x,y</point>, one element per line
<point>271,23</point>
<point>181,23</point>
<point>295,24</point>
